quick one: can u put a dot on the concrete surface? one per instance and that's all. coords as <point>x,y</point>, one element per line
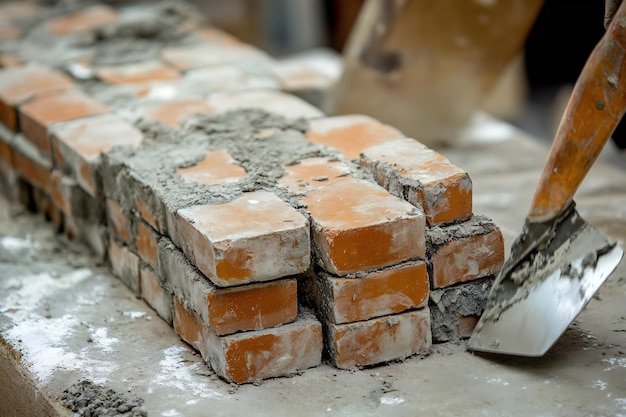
<point>63,319</point>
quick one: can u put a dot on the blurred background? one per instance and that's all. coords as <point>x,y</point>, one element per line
<point>531,93</point>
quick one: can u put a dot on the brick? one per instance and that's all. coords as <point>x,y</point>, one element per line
<point>227,310</point>
<point>379,340</point>
<point>358,226</point>
<point>172,113</point>
<point>149,215</point>
<point>77,145</point>
<point>286,105</point>
<point>231,77</point>
<point>218,167</point>
<point>254,238</point>
<point>137,73</point>
<point>424,177</point>
<point>9,31</point>
<point>456,310</point>
<point>466,251</point>
<point>83,20</point>
<point>252,356</point>
<point>59,191</point>
<point>30,164</point>
<point>159,299</point>
<point>6,151</point>
<point>16,11</point>
<point>119,221</point>
<point>124,265</point>
<point>18,85</point>
<point>39,114</point>
<point>375,294</point>
<point>146,243</point>
<point>313,174</point>
<point>212,53</point>
<point>351,134</point>
<point>215,35</point>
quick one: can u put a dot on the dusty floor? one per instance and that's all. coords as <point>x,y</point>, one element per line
<point>69,320</point>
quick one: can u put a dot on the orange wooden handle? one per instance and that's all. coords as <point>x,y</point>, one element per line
<point>595,108</point>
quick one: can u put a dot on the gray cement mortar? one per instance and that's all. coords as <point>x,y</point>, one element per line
<point>89,399</point>
<point>448,305</point>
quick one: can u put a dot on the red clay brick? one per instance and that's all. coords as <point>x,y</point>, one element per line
<point>211,53</point>
<point>39,114</point>
<point>251,356</point>
<point>253,306</point>
<point>314,173</point>
<point>23,83</point>
<point>119,221</point>
<point>379,293</point>
<point>379,340</point>
<point>125,265</point>
<point>31,165</point>
<point>59,198</point>
<point>148,215</point>
<point>218,167</point>
<point>156,297</point>
<point>296,74</point>
<point>6,153</point>
<point>351,134</point>
<point>78,145</point>
<point>172,113</point>
<point>147,244</point>
<point>256,237</point>
<point>140,73</point>
<point>227,310</point>
<point>467,258</point>
<point>83,20</point>
<point>358,226</point>
<point>286,105</point>
<point>427,178</point>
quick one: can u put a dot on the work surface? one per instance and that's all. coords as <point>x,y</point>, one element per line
<point>65,319</point>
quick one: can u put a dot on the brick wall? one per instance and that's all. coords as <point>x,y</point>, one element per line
<point>269,235</point>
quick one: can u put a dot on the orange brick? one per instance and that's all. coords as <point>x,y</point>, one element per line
<point>218,167</point>
<point>148,215</point>
<point>83,20</point>
<point>78,145</point>
<point>172,113</point>
<point>6,152</point>
<point>212,53</point>
<point>313,174</point>
<point>459,256</point>
<point>425,177</point>
<point>140,73</point>
<point>39,114</point>
<point>230,78</point>
<point>190,328</point>
<point>286,105</point>
<point>147,244</point>
<point>358,226</point>
<point>379,293</point>
<point>379,340</point>
<point>227,310</point>
<point>252,356</point>
<point>30,164</point>
<point>253,306</point>
<point>156,297</point>
<point>23,83</point>
<point>298,74</point>
<point>351,134</point>
<point>119,221</point>
<point>124,265</point>
<point>256,237</point>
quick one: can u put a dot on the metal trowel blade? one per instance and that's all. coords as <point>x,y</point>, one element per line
<point>532,302</point>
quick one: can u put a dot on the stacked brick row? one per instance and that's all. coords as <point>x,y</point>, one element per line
<point>264,232</point>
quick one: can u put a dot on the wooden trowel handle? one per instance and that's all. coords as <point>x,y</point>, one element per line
<point>595,108</point>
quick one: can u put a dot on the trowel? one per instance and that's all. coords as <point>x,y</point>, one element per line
<point>559,260</point>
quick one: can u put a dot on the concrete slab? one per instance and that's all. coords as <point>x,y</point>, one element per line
<point>65,319</point>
